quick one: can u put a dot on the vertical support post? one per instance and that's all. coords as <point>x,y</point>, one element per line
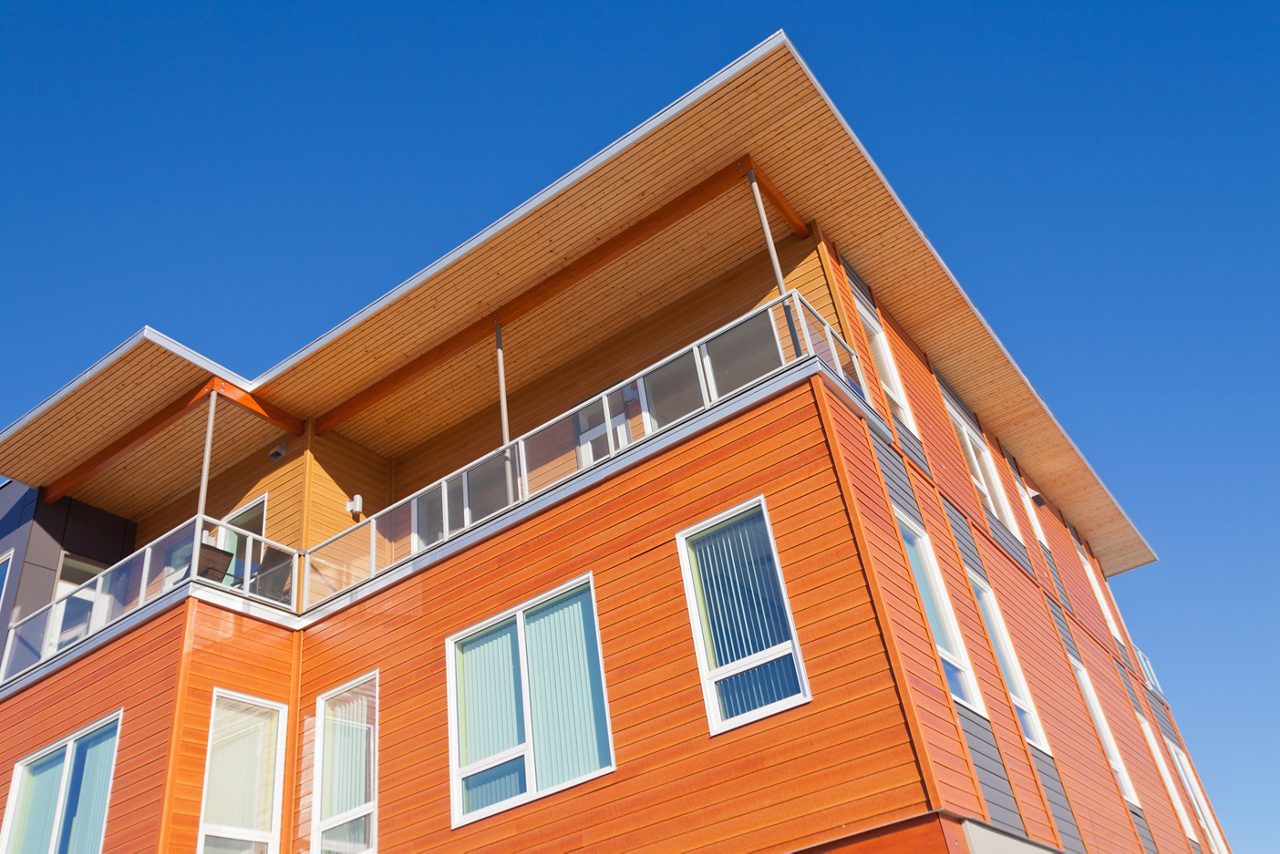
<point>502,409</point>
<point>768,234</point>
<point>208,454</point>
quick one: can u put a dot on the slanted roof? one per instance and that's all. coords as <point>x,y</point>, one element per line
<point>765,104</point>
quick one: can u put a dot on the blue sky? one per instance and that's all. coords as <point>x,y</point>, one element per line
<point>1101,177</point>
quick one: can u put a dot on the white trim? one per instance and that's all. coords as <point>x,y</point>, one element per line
<point>711,676</point>
<point>1103,604</point>
<point>1109,747</point>
<point>1199,801</point>
<point>271,837</point>
<point>890,378</point>
<point>982,471</point>
<point>4,587</point>
<point>960,657</point>
<point>456,773</point>
<point>319,826</point>
<point>66,744</point>
<point>1170,789</point>
<point>1001,640</point>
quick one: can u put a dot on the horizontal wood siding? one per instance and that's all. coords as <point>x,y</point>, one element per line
<point>138,673</point>
<point>943,739</point>
<point>341,469</point>
<point>842,762</point>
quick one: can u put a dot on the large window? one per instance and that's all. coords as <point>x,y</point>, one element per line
<point>1104,733</point>
<point>527,708</point>
<point>58,798</point>
<point>1166,777</point>
<point>1098,594</point>
<point>938,611</point>
<point>244,776</point>
<point>1029,504</point>
<point>1198,800</point>
<point>346,769</point>
<point>1008,661</point>
<point>983,471</point>
<point>887,369</point>
<point>744,635</point>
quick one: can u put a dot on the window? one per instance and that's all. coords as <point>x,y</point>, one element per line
<point>1029,505</point>
<point>243,776</point>
<point>937,609</point>
<point>1165,776</point>
<point>983,471</point>
<point>346,768</point>
<point>1199,802</point>
<point>1104,733</point>
<point>887,369</point>
<point>6,564</point>
<point>1100,596</point>
<point>527,708</point>
<point>58,799</point>
<point>1008,661</point>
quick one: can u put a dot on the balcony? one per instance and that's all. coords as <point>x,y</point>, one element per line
<point>214,554</point>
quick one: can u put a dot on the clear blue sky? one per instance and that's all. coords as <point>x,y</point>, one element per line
<point>1102,180</point>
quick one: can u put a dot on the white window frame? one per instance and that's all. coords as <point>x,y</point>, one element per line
<point>982,471</point>
<point>1199,802</point>
<point>67,745</point>
<point>319,826</point>
<point>709,675</point>
<point>1100,596</point>
<point>1167,778</point>
<point>4,585</point>
<point>272,837</point>
<point>1029,504</point>
<point>886,366</point>
<point>1002,644</point>
<point>456,773</point>
<point>1100,725</point>
<point>951,625</point>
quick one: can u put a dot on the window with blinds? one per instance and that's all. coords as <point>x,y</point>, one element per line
<point>527,705</point>
<point>744,635</point>
<point>60,801</point>
<point>244,776</point>
<point>346,766</point>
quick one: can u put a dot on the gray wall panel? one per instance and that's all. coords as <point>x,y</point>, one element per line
<point>1063,629</point>
<point>895,478</point>
<point>911,446</point>
<point>1063,817</point>
<point>964,539</point>
<point>1144,830</point>
<point>992,776</point>
<point>1057,579</point>
<point>1009,542</point>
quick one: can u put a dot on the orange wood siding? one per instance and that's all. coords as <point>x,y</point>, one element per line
<point>339,470</point>
<point>137,673</point>
<point>228,651</point>
<point>943,739</point>
<point>822,770</point>
<point>251,477</point>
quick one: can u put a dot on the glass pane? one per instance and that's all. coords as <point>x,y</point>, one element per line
<point>454,503</point>
<point>493,785</point>
<point>956,681</point>
<point>240,786</point>
<point>566,690</point>
<point>818,337</point>
<point>351,838</point>
<point>929,592</point>
<point>551,454</point>
<point>1026,722</point>
<point>37,802</point>
<point>394,540</point>
<point>752,689</point>
<point>170,559</point>
<point>739,595</point>
<point>787,328</point>
<point>672,390</point>
<point>626,415</point>
<point>26,646</point>
<point>75,612</point>
<point>429,507</point>
<point>92,760</point>
<point>489,705</point>
<point>340,563</point>
<point>273,576</point>
<point>742,354</point>
<point>222,845</point>
<point>348,750</point>
<point>121,586</point>
<point>592,434</point>
<point>491,486</point>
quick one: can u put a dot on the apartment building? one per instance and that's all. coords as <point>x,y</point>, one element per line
<point>691,505</point>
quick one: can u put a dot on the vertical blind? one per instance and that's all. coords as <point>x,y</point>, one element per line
<point>347,775</point>
<point>37,804</point>
<point>68,787</point>
<point>240,783</point>
<point>566,735</point>
<point>742,611</point>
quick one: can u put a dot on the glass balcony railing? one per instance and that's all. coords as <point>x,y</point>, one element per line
<point>728,360</point>
<point>745,352</point>
<point>223,555</point>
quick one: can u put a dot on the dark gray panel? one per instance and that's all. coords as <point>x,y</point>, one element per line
<point>1144,830</point>
<point>1009,542</point>
<point>1195,846</point>
<point>964,539</point>
<point>911,446</point>
<point>1128,686</point>
<point>17,510</point>
<point>1063,817</point>
<point>861,292</point>
<point>1163,719</point>
<point>95,534</point>
<point>1124,654</point>
<point>895,478</point>
<point>1063,629</point>
<point>992,776</point>
<point>1057,579</point>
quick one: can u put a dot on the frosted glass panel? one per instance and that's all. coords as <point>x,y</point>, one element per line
<point>566,689</point>
<point>490,717</point>
<point>349,838</point>
<point>493,785</point>
<point>348,750</point>
<point>240,784</point>
<point>37,804</point>
<point>85,814</point>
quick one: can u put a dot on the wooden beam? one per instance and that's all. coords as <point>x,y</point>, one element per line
<point>136,437</point>
<point>555,284</point>
<point>779,201</point>
<point>273,415</point>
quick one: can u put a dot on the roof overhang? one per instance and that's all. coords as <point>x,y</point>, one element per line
<point>766,104</point>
